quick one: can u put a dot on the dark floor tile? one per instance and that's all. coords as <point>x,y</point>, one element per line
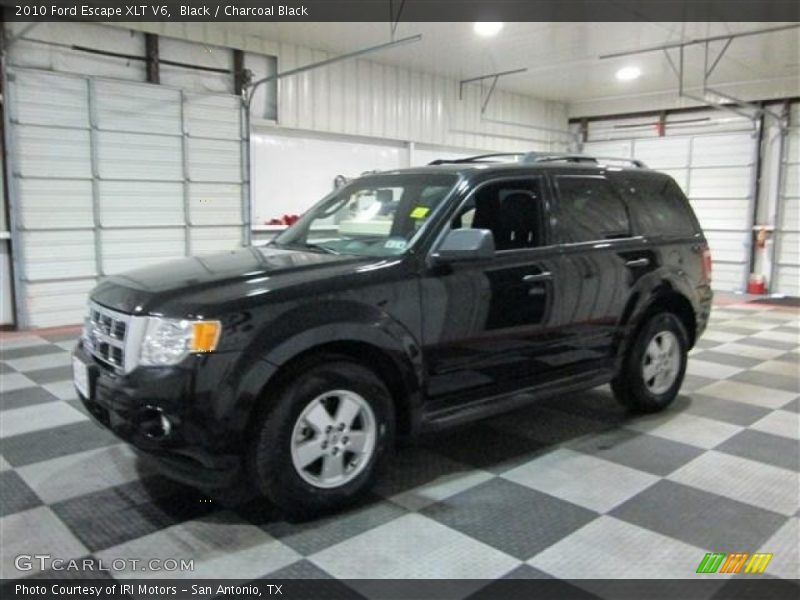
<point>706,344</point>
<point>4,368</point>
<point>484,447</point>
<point>730,328</point>
<point>724,358</point>
<point>791,357</point>
<point>113,516</point>
<point>36,446</point>
<point>699,518</point>
<point>50,375</point>
<point>638,450</point>
<point>793,405</point>
<point>311,536</point>
<point>774,344</point>
<point>730,411</point>
<point>15,495</point>
<point>545,588</point>
<point>25,397</point>
<point>770,380</point>
<point>87,567</point>
<point>28,351</point>
<point>512,518</point>
<point>695,382</point>
<point>62,337</point>
<point>764,447</point>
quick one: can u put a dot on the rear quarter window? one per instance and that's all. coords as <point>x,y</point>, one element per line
<point>658,206</point>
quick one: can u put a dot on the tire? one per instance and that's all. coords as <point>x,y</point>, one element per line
<point>345,461</point>
<point>651,373</point>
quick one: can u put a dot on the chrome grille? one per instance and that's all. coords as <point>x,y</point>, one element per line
<point>104,335</point>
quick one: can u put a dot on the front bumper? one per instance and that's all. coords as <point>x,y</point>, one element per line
<point>168,415</point>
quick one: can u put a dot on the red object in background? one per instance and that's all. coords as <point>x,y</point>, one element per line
<point>757,284</point>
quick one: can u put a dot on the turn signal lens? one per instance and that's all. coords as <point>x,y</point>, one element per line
<point>206,335</point>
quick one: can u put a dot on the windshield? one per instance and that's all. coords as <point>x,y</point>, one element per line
<point>376,216</point>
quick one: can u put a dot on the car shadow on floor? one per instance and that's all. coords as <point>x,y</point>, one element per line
<point>487,447</point>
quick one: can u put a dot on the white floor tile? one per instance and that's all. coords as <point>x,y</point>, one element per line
<point>711,370</point>
<point>686,428</point>
<point>221,545</point>
<point>413,547</point>
<point>25,341</point>
<point>779,367</point>
<point>747,393</point>
<point>721,336</point>
<point>780,422</point>
<point>608,548</point>
<point>14,381</point>
<point>77,474</point>
<point>785,548</point>
<point>744,480</point>
<point>37,417</point>
<point>65,390</point>
<point>35,531</point>
<point>42,361</point>
<point>439,489</point>
<point>591,482</point>
<point>749,351</point>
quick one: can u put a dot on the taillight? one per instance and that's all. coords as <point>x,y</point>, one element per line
<point>707,264</point>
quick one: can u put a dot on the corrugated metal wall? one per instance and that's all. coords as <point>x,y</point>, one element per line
<point>369,98</point>
<point>787,249</point>
<point>712,157</point>
<point>111,175</point>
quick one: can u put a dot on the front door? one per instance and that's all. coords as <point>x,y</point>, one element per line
<point>489,324</point>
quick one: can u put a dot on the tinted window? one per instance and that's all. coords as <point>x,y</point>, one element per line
<point>512,210</point>
<point>589,210</point>
<point>659,206</point>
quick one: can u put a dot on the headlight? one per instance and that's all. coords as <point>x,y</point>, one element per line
<point>169,341</point>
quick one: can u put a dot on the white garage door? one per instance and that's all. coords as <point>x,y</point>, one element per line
<point>787,251</point>
<point>110,176</point>
<point>716,173</point>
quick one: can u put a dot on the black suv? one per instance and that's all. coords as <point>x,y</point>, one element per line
<point>403,302</point>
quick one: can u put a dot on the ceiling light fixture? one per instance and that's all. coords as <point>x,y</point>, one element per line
<point>629,73</point>
<point>487,29</point>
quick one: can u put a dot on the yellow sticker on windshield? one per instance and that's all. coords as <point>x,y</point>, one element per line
<point>420,212</point>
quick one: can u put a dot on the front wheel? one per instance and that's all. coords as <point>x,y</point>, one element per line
<point>655,365</point>
<point>321,446</point>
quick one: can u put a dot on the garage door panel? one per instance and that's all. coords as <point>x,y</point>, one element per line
<point>681,177</point>
<point>789,248</point>
<point>788,280</point>
<point>663,153</point>
<point>727,245</point>
<point>214,160</point>
<point>48,99</point>
<point>207,240</point>
<point>722,213</point>
<point>126,249</point>
<point>58,254</point>
<point>55,203</point>
<point>621,149</point>
<point>213,116</point>
<point>723,150</point>
<point>791,214</point>
<point>727,276</point>
<point>724,182</point>
<point>52,152</point>
<point>132,203</point>
<point>58,302</point>
<point>139,156</point>
<point>215,204</point>
<point>131,107</point>
<point>792,181</point>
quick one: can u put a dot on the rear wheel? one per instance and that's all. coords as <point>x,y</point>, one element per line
<point>321,446</point>
<point>655,365</point>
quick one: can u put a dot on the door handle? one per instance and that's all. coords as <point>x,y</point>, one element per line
<point>538,277</point>
<point>639,262</point>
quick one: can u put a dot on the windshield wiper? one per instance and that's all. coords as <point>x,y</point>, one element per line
<point>312,246</point>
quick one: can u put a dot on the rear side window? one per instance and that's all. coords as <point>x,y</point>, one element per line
<point>659,206</point>
<point>590,210</point>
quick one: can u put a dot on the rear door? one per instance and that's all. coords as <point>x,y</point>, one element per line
<point>601,261</point>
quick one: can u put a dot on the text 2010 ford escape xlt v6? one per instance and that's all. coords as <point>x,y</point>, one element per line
<point>449,293</point>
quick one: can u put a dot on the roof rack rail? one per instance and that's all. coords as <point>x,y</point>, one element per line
<point>540,157</point>
<point>536,157</point>
<point>480,158</point>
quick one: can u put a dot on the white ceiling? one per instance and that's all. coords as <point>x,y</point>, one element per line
<point>563,58</point>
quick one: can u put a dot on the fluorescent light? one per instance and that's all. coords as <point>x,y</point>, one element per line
<point>629,73</point>
<point>487,29</point>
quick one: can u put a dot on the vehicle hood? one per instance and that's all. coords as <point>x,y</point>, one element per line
<point>193,286</point>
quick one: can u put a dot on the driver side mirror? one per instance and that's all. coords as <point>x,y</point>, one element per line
<point>466,244</point>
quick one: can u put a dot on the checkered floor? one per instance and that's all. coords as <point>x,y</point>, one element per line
<point>569,488</point>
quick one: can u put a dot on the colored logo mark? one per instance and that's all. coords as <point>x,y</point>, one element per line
<point>720,562</point>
